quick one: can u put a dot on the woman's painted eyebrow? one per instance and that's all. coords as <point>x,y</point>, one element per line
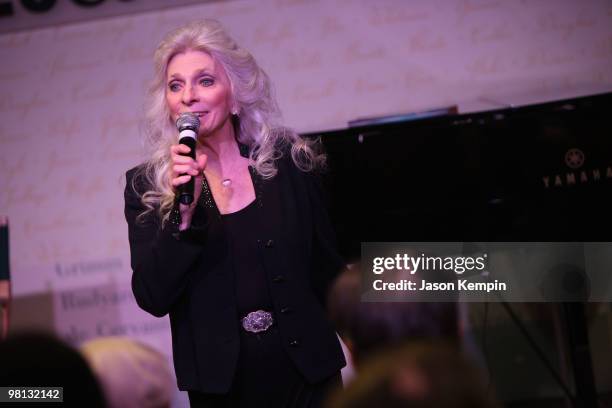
<point>197,73</point>
<point>204,71</point>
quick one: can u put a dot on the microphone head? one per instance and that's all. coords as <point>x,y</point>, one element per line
<point>188,120</point>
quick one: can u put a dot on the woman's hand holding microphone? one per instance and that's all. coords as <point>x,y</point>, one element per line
<point>183,169</point>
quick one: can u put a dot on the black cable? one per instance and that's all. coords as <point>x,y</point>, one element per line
<point>539,353</point>
<point>483,341</point>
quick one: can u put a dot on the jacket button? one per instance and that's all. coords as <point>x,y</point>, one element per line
<point>278,278</point>
<point>294,343</point>
<point>286,310</point>
<point>270,243</point>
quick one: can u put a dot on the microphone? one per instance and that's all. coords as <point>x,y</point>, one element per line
<point>187,124</point>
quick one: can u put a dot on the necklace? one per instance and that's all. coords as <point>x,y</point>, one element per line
<point>226,182</point>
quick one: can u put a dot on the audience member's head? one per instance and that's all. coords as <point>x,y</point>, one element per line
<point>367,327</point>
<point>416,375</point>
<point>133,375</point>
<point>42,360</point>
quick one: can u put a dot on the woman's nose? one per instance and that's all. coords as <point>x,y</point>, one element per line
<point>189,95</point>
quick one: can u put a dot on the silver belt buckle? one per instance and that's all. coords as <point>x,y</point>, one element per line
<point>257,321</point>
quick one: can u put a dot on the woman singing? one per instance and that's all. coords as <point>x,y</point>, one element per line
<point>243,271</point>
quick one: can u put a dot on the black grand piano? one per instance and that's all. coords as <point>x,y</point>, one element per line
<point>534,173</point>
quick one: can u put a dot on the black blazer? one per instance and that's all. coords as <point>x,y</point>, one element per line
<point>189,275</point>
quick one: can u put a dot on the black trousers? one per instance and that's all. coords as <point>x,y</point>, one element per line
<point>267,378</point>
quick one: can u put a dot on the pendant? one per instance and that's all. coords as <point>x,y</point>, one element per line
<point>226,182</point>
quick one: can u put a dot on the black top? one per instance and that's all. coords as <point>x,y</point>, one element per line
<point>252,291</point>
<point>189,274</point>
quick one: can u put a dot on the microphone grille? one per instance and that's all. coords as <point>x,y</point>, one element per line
<point>188,120</point>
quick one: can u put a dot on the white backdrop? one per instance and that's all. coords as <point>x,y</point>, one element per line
<point>72,97</point>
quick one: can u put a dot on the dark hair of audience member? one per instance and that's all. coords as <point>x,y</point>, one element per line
<point>416,375</point>
<point>367,327</point>
<point>41,360</point>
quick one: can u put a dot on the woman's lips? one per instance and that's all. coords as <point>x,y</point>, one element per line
<point>197,113</point>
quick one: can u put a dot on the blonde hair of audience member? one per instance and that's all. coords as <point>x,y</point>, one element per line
<point>417,375</point>
<point>132,374</point>
<point>255,115</point>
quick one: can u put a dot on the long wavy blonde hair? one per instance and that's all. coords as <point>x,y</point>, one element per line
<point>256,125</point>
